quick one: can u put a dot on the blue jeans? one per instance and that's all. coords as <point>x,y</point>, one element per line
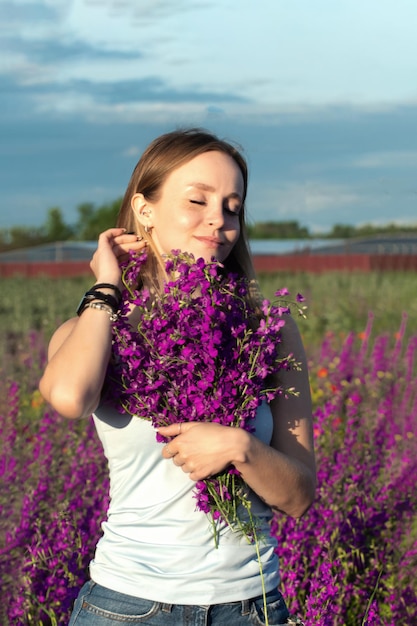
<point>99,606</point>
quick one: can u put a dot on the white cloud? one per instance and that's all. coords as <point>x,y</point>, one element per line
<point>132,151</point>
<point>319,117</point>
<point>144,9</point>
<point>321,197</point>
<point>151,110</point>
<point>319,204</point>
<point>300,201</point>
<point>389,159</point>
<point>204,46</point>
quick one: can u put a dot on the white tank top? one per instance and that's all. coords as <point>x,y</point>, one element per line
<point>155,544</point>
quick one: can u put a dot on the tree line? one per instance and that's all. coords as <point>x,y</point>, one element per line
<point>92,220</point>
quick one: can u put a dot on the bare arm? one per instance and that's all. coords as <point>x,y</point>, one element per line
<point>79,350</point>
<point>282,474</point>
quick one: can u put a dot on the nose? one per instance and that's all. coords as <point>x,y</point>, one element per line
<point>216,216</point>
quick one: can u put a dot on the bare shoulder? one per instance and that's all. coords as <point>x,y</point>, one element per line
<point>292,413</point>
<point>297,375</point>
<point>291,338</point>
<point>60,335</point>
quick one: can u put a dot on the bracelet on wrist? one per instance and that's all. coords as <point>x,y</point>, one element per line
<point>100,306</point>
<point>109,286</point>
<point>97,296</point>
<point>104,297</point>
<point>92,294</point>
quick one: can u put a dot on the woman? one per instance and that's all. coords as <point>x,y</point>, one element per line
<point>156,562</point>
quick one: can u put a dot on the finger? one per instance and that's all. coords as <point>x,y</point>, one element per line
<point>111,233</point>
<point>128,238</point>
<point>123,250</point>
<point>167,452</point>
<point>168,431</point>
<point>175,429</point>
<point>195,475</point>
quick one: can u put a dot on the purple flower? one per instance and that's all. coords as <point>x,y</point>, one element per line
<point>201,352</point>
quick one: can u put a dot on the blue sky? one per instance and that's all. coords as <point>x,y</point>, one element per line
<point>321,95</point>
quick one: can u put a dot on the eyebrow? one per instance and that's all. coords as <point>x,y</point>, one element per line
<point>205,187</point>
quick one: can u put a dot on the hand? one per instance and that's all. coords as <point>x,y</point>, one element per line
<point>202,449</point>
<point>113,248</point>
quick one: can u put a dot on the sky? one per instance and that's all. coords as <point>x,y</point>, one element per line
<point>322,97</point>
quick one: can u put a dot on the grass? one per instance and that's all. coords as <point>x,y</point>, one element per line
<point>341,302</point>
<point>337,301</point>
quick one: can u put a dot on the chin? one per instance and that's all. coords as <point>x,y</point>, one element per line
<point>208,257</point>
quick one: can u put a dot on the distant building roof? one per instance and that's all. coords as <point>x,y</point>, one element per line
<point>379,244</point>
<point>398,244</point>
<point>59,251</point>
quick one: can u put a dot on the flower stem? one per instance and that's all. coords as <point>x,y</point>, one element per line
<point>261,572</point>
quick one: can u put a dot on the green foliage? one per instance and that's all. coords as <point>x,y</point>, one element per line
<point>342,231</point>
<point>293,230</point>
<point>19,237</point>
<point>93,221</point>
<point>346,231</point>
<point>278,230</point>
<point>55,228</point>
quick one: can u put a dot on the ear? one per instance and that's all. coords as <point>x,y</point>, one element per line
<point>142,209</point>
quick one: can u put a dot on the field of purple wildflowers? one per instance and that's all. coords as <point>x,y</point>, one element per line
<point>351,560</point>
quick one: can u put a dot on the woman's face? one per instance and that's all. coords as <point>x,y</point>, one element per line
<point>198,207</point>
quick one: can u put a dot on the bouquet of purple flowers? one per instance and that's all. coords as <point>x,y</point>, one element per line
<point>203,350</point>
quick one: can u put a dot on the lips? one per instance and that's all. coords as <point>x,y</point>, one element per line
<point>213,242</point>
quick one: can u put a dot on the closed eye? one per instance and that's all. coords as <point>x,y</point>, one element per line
<point>200,202</point>
<point>232,211</point>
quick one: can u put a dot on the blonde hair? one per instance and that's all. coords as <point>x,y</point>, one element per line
<point>161,157</point>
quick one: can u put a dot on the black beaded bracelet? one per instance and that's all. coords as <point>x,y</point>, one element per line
<point>94,294</point>
<point>109,286</point>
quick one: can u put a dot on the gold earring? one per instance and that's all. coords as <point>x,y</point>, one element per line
<point>147,229</point>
